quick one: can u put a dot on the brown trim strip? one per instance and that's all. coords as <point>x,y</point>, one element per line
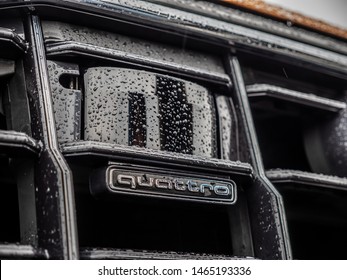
<point>294,18</point>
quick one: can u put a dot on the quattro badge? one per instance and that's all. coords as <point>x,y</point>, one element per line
<point>115,180</point>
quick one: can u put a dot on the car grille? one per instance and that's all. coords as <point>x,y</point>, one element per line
<point>230,127</point>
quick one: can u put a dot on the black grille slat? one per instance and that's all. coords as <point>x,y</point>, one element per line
<point>65,39</point>
<point>308,178</point>
<point>106,150</point>
<point>112,254</point>
<point>11,43</point>
<point>307,99</point>
<point>15,251</point>
<point>19,143</point>
<point>137,120</point>
<point>176,129</point>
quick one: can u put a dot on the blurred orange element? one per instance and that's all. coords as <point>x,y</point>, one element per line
<point>288,16</point>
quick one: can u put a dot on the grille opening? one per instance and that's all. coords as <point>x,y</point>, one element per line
<point>3,125</point>
<point>69,81</point>
<point>317,221</point>
<point>152,227</point>
<point>18,150</point>
<point>148,224</point>
<point>280,138</point>
<point>295,111</point>
<point>267,71</point>
<point>9,207</point>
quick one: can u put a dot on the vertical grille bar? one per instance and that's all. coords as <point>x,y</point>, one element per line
<point>204,120</point>
<point>137,120</point>
<point>176,116</point>
<point>67,102</point>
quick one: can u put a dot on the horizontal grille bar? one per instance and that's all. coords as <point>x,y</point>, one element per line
<point>301,177</point>
<point>103,253</point>
<point>65,39</point>
<point>15,43</point>
<point>14,251</point>
<point>86,49</point>
<point>18,142</point>
<point>108,150</point>
<point>302,98</point>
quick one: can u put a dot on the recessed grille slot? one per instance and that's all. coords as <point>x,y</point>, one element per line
<point>296,113</point>
<point>301,98</point>
<point>9,204</point>
<point>316,212</point>
<point>153,226</point>
<point>144,223</point>
<point>298,116</point>
<point>18,152</point>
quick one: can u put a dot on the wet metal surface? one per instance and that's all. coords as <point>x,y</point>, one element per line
<point>139,154</point>
<point>16,251</point>
<point>67,100</point>
<point>257,22</point>
<point>14,140</point>
<point>62,38</point>
<point>56,205</point>
<point>219,31</point>
<point>16,44</point>
<point>105,253</point>
<point>265,201</point>
<point>308,178</point>
<point>227,128</point>
<point>131,107</point>
<point>176,143</point>
<point>308,99</point>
